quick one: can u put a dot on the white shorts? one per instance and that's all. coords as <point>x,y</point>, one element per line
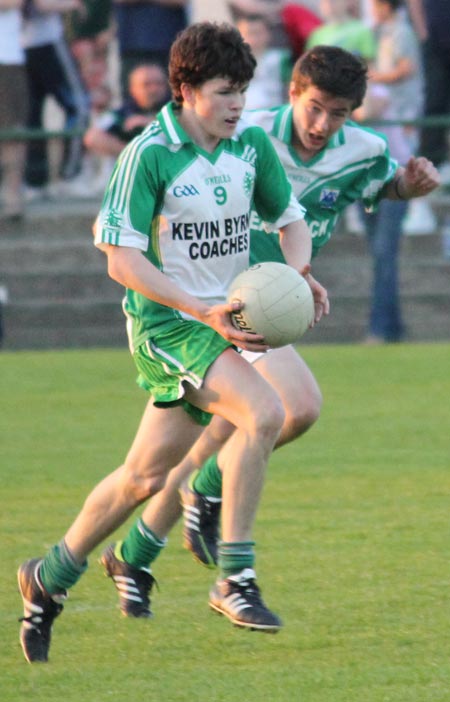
<point>253,356</point>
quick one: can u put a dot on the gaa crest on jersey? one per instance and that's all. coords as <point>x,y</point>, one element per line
<point>249,179</point>
<point>185,190</point>
<point>328,198</point>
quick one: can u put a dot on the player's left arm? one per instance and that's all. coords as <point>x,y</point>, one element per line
<point>295,242</point>
<point>273,188</point>
<point>418,178</point>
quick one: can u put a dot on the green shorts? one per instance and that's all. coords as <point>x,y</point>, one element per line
<point>181,354</point>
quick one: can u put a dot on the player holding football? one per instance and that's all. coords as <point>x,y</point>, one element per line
<point>174,225</point>
<point>331,162</point>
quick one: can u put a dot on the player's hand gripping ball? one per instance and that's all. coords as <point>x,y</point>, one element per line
<point>278,303</point>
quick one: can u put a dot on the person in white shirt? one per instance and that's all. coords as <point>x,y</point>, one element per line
<point>52,71</point>
<point>13,107</point>
<point>268,87</point>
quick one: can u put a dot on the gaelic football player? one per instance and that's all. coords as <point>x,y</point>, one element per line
<point>175,228</point>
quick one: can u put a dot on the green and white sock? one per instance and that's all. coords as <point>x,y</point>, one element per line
<point>59,570</point>
<point>208,480</point>
<point>140,547</point>
<point>233,557</point>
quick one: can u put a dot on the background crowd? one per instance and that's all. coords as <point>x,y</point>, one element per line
<point>98,70</point>
<point>65,64</point>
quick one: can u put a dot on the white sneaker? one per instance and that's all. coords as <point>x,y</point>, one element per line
<point>353,220</point>
<point>77,188</point>
<point>444,172</point>
<point>4,295</point>
<point>36,194</point>
<point>420,218</point>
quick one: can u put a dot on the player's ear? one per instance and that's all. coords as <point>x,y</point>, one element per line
<point>187,93</point>
<point>293,92</point>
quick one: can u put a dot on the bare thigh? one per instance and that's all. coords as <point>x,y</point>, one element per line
<point>234,390</point>
<point>288,374</point>
<point>162,439</point>
<point>297,387</point>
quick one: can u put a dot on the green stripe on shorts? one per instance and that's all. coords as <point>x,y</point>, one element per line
<point>181,354</point>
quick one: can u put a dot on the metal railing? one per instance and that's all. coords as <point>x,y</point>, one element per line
<point>28,134</point>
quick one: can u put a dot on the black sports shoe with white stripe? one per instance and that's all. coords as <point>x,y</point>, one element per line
<point>39,611</point>
<point>239,599</point>
<point>201,517</point>
<point>133,585</point>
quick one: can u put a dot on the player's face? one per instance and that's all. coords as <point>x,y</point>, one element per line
<point>317,116</point>
<point>213,110</point>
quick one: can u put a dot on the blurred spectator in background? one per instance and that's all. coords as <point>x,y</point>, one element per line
<point>208,11</point>
<point>341,28</point>
<point>398,68</point>
<point>148,90</point>
<point>268,86</point>
<point>299,22</point>
<point>13,108</point>
<point>431,20</point>
<point>52,71</point>
<point>290,22</point>
<point>89,34</point>
<point>394,93</point>
<point>269,9</point>
<point>145,32</point>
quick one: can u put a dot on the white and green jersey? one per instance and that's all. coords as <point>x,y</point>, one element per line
<point>355,165</point>
<point>188,210</point>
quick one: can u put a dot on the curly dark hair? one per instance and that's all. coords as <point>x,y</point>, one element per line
<point>207,50</point>
<point>333,70</point>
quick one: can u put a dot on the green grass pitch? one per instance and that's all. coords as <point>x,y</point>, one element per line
<point>353,545</point>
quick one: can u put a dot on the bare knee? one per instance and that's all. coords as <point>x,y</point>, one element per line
<point>269,417</point>
<point>301,416</point>
<point>142,481</point>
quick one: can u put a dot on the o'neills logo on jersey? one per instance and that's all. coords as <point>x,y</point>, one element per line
<point>328,197</point>
<point>185,190</point>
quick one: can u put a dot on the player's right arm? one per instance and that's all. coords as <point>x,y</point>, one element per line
<point>418,178</point>
<point>127,266</point>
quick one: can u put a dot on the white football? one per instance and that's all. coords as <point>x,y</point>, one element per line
<point>278,303</point>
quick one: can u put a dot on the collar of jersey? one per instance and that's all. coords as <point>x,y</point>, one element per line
<point>177,135</point>
<point>170,125</point>
<point>283,127</point>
